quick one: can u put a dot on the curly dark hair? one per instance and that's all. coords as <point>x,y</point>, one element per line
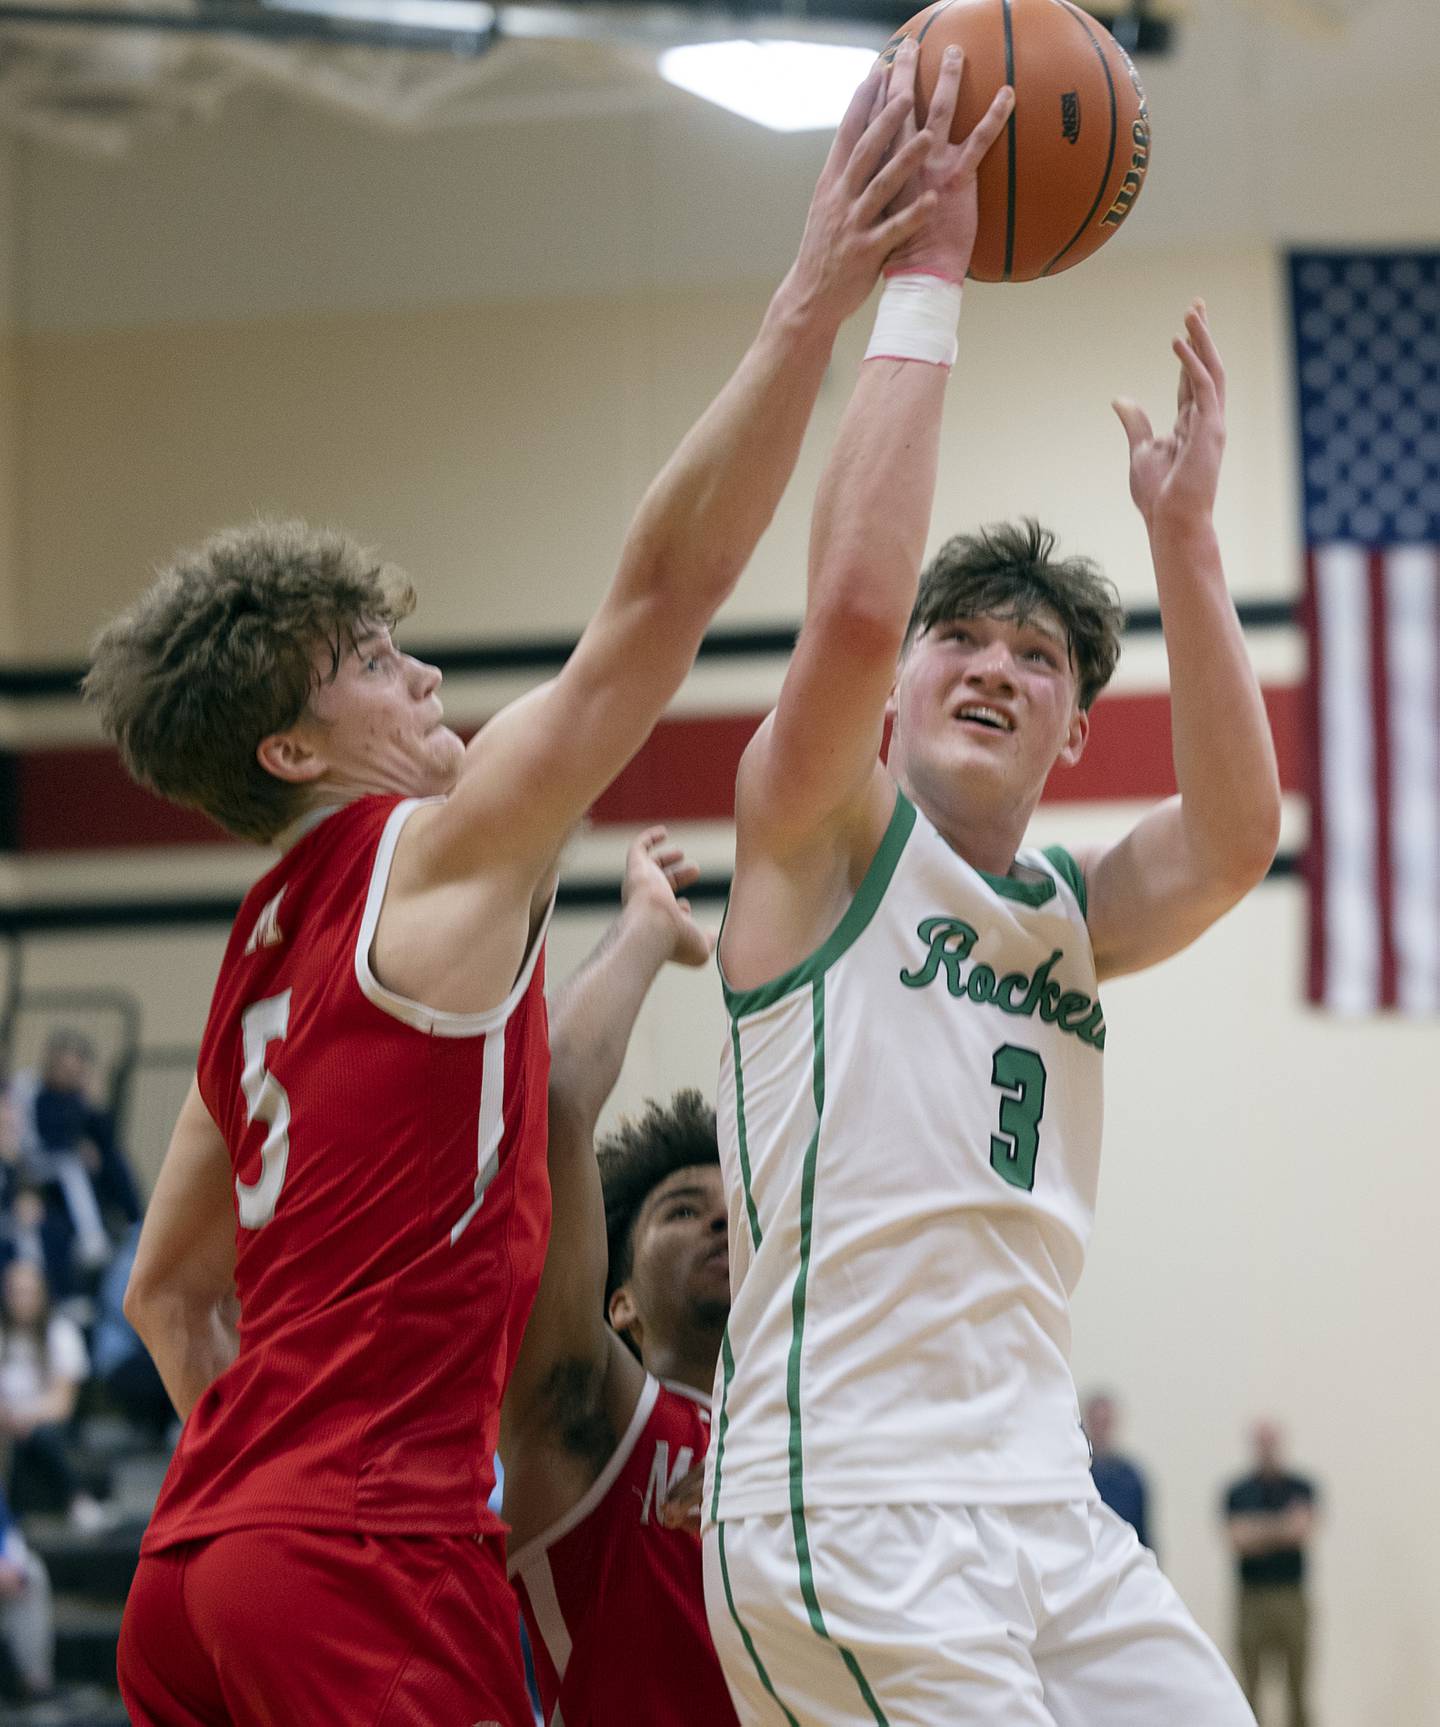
<point>221,651</point>
<point>1008,570</point>
<point>637,1157</point>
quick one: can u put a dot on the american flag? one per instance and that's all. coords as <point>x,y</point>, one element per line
<point>1367,354</point>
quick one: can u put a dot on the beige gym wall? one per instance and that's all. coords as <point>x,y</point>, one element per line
<point>498,449</point>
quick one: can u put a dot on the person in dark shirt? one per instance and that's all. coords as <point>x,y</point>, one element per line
<point>77,1149</point>
<point>1270,1518</point>
<point>1119,1480</point>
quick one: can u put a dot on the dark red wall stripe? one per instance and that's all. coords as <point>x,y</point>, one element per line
<point>76,800</point>
<point>80,799</point>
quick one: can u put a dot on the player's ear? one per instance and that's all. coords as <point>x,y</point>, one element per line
<point>1075,738</point>
<point>289,758</point>
<point>623,1312</point>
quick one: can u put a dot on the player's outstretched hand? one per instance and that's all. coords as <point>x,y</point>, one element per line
<point>944,185</point>
<point>860,213</point>
<point>656,875</point>
<point>1173,480</point>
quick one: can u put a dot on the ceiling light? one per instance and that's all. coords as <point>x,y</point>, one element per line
<point>455,17</point>
<point>787,86</point>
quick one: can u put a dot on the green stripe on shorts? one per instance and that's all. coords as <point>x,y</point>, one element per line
<point>792,1376</point>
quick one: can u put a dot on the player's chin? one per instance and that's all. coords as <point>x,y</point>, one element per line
<point>981,759</point>
<point>710,1287</point>
<point>447,757</point>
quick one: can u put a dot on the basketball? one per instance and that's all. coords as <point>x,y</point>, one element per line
<point>1066,171</point>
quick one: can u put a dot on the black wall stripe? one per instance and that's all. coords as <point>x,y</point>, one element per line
<point>219,910</point>
<point>545,653</point>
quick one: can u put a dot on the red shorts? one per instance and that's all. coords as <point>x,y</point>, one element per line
<point>301,1628</point>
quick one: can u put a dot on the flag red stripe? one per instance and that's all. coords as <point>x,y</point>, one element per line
<point>80,799</point>
<point>1380,707</point>
<point>1315,849</point>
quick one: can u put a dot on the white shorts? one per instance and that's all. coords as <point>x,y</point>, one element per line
<point>948,1616</point>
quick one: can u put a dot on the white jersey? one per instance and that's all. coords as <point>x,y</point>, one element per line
<point>910,1138</point>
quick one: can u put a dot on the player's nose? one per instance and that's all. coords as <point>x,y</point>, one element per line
<point>424,677</point>
<point>992,663</point>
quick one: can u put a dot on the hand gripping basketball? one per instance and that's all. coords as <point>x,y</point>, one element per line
<point>1077,146</point>
<point>946,178</point>
<point>864,205</point>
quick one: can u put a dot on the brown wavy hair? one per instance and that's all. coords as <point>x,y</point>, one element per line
<point>225,648</point>
<point>1010,571</point>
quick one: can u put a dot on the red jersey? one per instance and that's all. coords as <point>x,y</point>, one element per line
<point>613,1600</point>
<point>392,1210</point>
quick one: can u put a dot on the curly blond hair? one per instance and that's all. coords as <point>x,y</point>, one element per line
<point>224,649</point>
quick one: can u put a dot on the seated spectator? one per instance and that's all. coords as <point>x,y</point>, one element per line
<point>27,1620</point>
<point>70,1144</point>
<point>21,1209</point>
<point>43,1363</point>
<point>12,1151</point>
<point>31,1230</point>
<point>119,1359</point>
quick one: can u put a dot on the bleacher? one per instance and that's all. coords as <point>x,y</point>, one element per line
<point>90,1573</point>
<point>114,1462</point>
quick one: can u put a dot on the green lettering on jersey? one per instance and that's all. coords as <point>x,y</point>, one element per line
<point>980,985</point>
<point>949,942</point>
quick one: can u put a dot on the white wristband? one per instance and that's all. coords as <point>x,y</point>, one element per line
<point>916,320</point>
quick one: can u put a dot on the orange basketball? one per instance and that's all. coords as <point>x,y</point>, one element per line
<point>1067,169</point>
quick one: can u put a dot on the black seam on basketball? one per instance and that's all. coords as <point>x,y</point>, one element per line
<point>1010,139</point>
<point>1079,234</point>
<point>930,22</point>
<point>887,53</point>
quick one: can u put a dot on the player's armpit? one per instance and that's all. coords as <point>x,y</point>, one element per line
<point>565,1350</point>
<point>576,1414</point>
<point>791,891</point>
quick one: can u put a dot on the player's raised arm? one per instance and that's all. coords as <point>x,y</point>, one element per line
<point>1189,861</point>
<point>575,1383</point>
<point>181,1293</point>
<point>533,771</point>
<point>816,756</point>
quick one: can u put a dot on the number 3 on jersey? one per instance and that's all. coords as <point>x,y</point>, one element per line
<point>1019,1074</point>
<point>263,1023</point>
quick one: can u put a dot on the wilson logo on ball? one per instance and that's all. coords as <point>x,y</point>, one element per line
<point>1134,175</point>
